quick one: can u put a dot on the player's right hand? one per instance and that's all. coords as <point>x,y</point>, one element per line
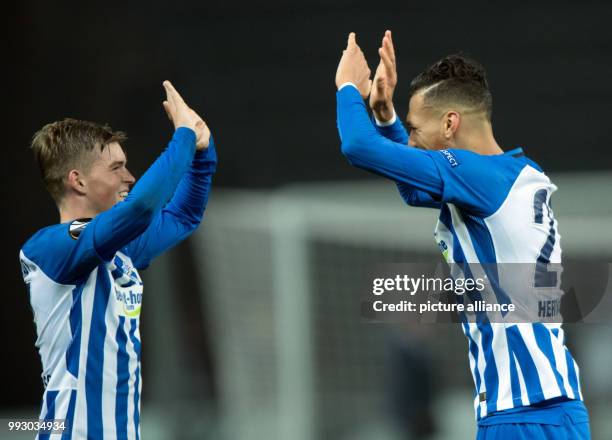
<point>385,81</point>
<point>182,115</point>
<point>353,68</point>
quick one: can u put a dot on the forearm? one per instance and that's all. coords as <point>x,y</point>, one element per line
<point>366,148</point>
<point>191,196</point>
<point>118,226</point>
<point>392,129</point>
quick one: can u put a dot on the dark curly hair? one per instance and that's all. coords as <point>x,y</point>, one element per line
<point>455,79</point>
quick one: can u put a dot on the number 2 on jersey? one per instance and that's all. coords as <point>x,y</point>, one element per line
<point>542,277</point>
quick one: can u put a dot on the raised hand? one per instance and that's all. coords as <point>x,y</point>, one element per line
<point>202,132</point>
<point>353,67</point>
<point>182,115</point>
<point>385,81</point>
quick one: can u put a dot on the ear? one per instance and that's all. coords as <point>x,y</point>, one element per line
<point>77,182</point>
<point>452,120</point>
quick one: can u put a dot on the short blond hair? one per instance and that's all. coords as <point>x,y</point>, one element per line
<point>64,145</point>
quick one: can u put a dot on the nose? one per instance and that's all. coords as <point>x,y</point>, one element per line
<point>128,177</point>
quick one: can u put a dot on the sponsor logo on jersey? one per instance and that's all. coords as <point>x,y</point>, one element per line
<point>450,157</point>
<point>128,286</point>
<point>444,249</point>
<point>77,226</point>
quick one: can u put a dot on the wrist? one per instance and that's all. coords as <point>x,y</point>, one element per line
<point>346,83</point>
<point>187,126</point>
<point>384,115</point>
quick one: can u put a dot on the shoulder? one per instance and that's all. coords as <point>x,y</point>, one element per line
<point>479,182</point>
<point>465,161</point>
<point>48,247</point>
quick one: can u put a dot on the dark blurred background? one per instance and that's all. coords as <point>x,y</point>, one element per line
<point>262,76</point>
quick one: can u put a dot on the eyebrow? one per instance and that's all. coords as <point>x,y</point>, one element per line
<point>117,162</point>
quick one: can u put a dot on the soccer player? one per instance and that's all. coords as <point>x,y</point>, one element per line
<point>82,274</point>
<point>494,208</point>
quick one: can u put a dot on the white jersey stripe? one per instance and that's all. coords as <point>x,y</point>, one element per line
<point>502,362</point>
<point>135,339</point>
<point>133,366</point>
<point>109,385</point>
<point>561,363</point>
<point>61,409</point>
<point>87,296</point>
<point>481,365</point>
<point>122,392</point>
<point>545,373</point>
<point>67,434</point>
<point>524,394</point>
<point>94,372</point>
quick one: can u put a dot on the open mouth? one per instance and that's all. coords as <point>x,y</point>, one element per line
<point>123,195</point>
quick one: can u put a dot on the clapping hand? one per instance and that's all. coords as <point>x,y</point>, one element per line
<point>182,115</point>
<point>353,68</point>
<point>385,80</point>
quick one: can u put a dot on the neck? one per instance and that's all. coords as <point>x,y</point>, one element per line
<point>71,210</point>
<point>479,140</point>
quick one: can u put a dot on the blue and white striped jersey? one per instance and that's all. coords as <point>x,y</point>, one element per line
<point>86,293</point>
<point>493,210</point>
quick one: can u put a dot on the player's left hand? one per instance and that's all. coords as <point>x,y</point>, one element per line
<point>385,81</point>
<point>202,132</point>
<point>353,68</point>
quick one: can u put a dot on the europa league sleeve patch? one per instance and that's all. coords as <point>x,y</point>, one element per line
<point>77,226</point>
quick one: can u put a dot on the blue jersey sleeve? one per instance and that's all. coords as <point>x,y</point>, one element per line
<point>376,149</point>
<point>183,213</point>
<point>70,251</point>
<point>477,183</point>
<point>395,132</point>
<point>412,196</point>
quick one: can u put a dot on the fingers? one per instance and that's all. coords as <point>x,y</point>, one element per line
<point>352,40</point>
<point>386,60</point>
<point>169,105</point>
<point>387,56</point>
<point>387,44</point>
<point>175,97</point>
<point>389,41</point>
<point>379,78</point>
<point>169,96</point>
<point>168,110</point>
<point>177,110</point>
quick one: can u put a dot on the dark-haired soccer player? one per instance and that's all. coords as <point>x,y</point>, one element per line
<point>494,208</point>
<point>82,273</point>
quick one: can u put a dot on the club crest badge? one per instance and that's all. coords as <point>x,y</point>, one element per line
<point>77,226</point>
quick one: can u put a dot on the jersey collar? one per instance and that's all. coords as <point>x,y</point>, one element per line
<point>517,152</point>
